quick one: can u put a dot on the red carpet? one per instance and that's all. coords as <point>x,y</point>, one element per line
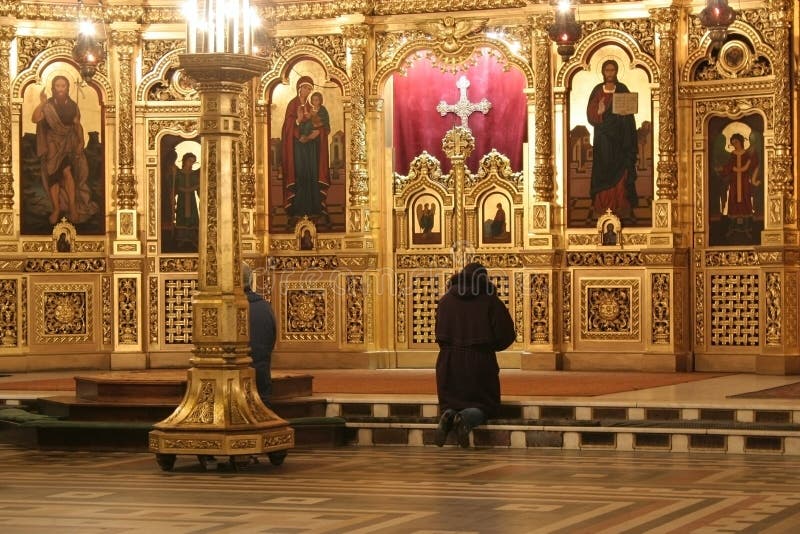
<point>423,382</point>
<point>512,382</point>
<point>789,391</point>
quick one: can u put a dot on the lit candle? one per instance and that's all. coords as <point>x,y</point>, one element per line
<point>209,44</point>
<point>246,26</point>
<point>219,18</point>
<point>191,27</point>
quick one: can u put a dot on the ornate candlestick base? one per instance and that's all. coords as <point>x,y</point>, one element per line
<point>221,412</point>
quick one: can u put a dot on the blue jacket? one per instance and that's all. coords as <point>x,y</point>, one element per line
<point>262,328</point>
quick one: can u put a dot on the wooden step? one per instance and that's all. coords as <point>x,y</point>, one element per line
<point>168,386</point>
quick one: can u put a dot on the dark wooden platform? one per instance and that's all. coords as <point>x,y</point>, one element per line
<point>118,408</point>
<point>168,386</point>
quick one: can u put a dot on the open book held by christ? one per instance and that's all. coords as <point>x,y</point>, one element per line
<point>625,103</point>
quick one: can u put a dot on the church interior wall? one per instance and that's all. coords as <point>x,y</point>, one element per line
<point>688,279</point>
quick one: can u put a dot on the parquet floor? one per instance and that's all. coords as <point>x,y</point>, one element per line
<point>401,490</point>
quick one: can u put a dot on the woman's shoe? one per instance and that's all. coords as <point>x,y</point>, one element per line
<point>462,431</point>
<point>445,424</point>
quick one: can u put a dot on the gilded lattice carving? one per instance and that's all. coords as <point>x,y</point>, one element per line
<point>108,310</point>
<point>66,313</point>
<point>7,33</point>
<point>247,178</point>
<point>566,306</point>
<point>152,203</point>
<point>661,310</point>
<point>425,293</point>
<point>23,320</point>
<point>540,308</point>
<point>424,169</point>
<point>30,47</point>
<point>604,259</point>
<point>699,178</point>
<point>8,312</point>
<point>154,127</point>
<point>332,45</point>
<point>502,284</point>
<point>519,305</point>
<point>734,310</point>
<point>610,309</point>
<point>211,214</point>
<point>153,309</point>
<point>520,36</point>
<point>772,321</point>
<point>699,309</point>
<point>302,263</point>
<point>642,29</point>
<point>194,444</point>
<point>309,313</point>
<point>241,322</point>
<point>424,261</point>
<point>354,307</point>
<point>678,313</point>
<point>127,310</point>
<point>495,166</point>
<point>790,308</point>
<point>667,167</point>
<point>45,265</point>
<point>203,411</point>
<point>397,7</point>
<point>356,41</point>
<point>178,311</point>
<point>400,311</point>
<point>209,319</point>
<point>730,258</point>
<point>153,50</point>
<point>177,265</point>
<point>734,106</point>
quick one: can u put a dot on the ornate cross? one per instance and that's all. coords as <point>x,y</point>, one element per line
<point>463,108</point>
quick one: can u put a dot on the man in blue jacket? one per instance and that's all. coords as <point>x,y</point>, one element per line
<point>262,335</point>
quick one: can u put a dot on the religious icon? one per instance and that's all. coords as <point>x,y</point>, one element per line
<point>736,180</point>
<point>62,154</point>
<point>495,220</point>
<point>306,241</point>
<point>180,194</point>
<point>426,221</point>
<point>610,146</point>
<point>308,155</point>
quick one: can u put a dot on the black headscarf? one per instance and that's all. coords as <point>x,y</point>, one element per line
<point>471,281</point>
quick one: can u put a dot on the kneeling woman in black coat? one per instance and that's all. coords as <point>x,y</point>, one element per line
<point>472,323</point>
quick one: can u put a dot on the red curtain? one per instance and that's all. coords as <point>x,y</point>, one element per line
<point>418,126</point>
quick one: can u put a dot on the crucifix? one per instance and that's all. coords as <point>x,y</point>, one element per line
<point>463,108</point>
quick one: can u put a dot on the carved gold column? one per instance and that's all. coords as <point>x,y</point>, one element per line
<point>7,34</point>
<point>780,185</point>
<point>667,168</point>
<point>358,208</point>
<point>127,242</point>
<point>780,350</point>
<point>221,413</point>
<point>247,175</point>
<point>543,168</point>
<point>458,144</point>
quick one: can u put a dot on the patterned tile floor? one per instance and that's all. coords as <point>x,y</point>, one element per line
<point>401,490</point>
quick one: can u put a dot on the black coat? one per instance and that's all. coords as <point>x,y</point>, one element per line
<point>471,324</point>
<point>262,341</point>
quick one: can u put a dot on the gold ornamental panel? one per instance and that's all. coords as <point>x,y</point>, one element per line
<point>425,292</point>
<point>610,309</point>
<point>177,306</point>
<point>309,311</point>
<point>63,313</point>
<point>734,310</point>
